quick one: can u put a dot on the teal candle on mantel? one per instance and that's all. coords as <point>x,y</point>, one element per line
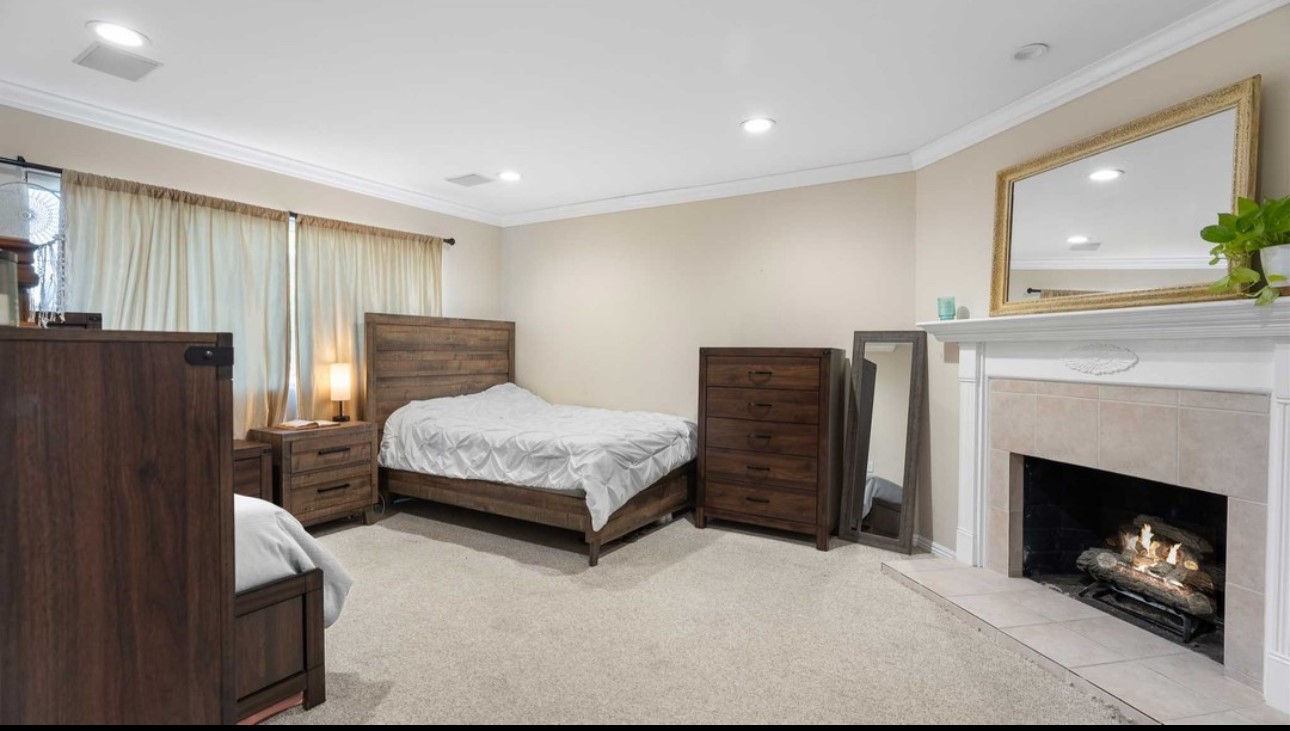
<point>945,308</point>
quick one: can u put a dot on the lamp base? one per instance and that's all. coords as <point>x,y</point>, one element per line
<point>340,418</point>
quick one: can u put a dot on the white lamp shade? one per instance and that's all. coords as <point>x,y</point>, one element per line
<point>342,386</point>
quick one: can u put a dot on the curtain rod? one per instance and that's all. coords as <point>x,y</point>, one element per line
<point>21,162</point>
<point>448,241</point>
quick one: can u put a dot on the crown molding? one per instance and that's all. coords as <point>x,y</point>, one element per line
<point>1142,262</point>
<point>1181,35</point>
<point>748,186</point>
<point>1225,319</point>
<point>72,110</point>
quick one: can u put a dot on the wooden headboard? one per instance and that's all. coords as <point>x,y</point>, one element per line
<point>410,357</point>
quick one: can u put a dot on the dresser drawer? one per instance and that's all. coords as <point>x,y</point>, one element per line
<point>797,471</point>
<point>763,436</point>
<point>763,404</point>
<point>798,507</point>
<point>333,489</point>
<point>335,450</point>
<point>799,374</point>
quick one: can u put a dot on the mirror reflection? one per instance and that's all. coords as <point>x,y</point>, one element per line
<point>883,417</point>
<point>1126,218</point>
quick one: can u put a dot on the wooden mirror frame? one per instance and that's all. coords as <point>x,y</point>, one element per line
<point>853,474</point>
<point>1244,97</point>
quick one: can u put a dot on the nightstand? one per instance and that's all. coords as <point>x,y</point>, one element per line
<point>326,473</point>
<point>252,469</point>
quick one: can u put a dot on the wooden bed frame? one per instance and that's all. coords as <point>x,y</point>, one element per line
<point>278,646</point>
<point>412,358</point>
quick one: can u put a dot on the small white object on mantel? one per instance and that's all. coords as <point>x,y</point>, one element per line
<point>1229,345</point>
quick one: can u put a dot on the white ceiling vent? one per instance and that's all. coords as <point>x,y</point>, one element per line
<point>115,62</point>
<point>470,181</point>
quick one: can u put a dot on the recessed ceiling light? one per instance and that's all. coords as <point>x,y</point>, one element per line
<point>509,176</point>
<point>118,35</point>
<point>1102,176</point>
<point>1077,240</point>
<point>758,125</point>
<point>1030,51</point>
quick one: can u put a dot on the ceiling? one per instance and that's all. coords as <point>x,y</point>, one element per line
<point>601,105</point>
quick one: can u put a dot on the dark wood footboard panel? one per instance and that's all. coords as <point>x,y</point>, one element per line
<point>278,644</point>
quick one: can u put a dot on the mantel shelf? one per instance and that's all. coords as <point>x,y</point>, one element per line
<point>1226,319</point>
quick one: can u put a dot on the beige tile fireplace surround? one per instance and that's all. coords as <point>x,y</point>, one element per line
<point>1194,396</point>
<point>1206,440</point>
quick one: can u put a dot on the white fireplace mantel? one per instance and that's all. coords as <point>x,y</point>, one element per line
<point>1218,346</point>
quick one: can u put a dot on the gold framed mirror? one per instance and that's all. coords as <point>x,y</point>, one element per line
<point>1114,220</point>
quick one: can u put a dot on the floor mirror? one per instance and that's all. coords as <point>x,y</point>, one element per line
<point>884,426</point>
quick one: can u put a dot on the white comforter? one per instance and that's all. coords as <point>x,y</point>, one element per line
<point>509,435</point>
<point>271,544</point>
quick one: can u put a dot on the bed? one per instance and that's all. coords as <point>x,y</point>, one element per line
<point>414,359</point>
<point>289,589</point>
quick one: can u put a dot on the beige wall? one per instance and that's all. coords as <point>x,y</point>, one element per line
<point>612,309</point>
<point>470,269</point>
<point>955,201</point>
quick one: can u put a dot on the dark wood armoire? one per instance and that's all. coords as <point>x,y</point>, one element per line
<point>116,527</point>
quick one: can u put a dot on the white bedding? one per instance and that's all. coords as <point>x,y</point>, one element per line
<point>507,434</point>
<point>270,544</point>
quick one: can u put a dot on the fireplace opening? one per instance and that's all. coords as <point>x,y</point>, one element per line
<point>1148,552</point>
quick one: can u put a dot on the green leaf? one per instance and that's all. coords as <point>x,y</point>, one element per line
<point>1267,296</point>
<point>1213,261</point>
<point>1245,275</point>
<point>1227,220</point>
<point>1276,278</point>
<point>1217,234</point>
<point>1221,285</point>
<point>1245,206</point>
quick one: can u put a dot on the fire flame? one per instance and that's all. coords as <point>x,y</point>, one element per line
<point>1143,546</point>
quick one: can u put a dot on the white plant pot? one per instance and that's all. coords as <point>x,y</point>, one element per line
<point>1276,260</point>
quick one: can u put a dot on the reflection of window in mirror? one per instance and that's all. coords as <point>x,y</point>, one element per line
<point>1124,219</point>
<point>890,370</point>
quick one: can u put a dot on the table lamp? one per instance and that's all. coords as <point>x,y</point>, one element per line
<point>341,389</point>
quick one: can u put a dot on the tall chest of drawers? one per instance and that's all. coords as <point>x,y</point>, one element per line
<point>770,438</point>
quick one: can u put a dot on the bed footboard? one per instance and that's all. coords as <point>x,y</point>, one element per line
<point>279,649</point>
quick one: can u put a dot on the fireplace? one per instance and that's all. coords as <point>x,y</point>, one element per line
<point>1146,551</point>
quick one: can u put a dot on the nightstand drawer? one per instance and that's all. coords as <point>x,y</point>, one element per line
<point>761,436</point>
<point>334,450</point>
<point>798,507</point>
<point>248,477</point>
<point>332,490</point>
<point>795,471</point>
<point>764,404</point>
<point>798,374</point>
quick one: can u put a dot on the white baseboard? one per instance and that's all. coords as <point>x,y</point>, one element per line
<point>936,549</point>
<point>1276,681</point>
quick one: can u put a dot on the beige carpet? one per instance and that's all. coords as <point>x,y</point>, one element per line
<point>457,617</point>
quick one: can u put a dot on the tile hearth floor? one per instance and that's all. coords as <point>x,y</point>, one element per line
<point>1147,677</point>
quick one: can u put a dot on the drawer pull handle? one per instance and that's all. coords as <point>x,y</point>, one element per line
<point>756,468</point>
<point>764,437</point>
<point>760,374</point>
<point>754,405</point>
<point>333,450</point>
<point>333,488</point>
<point>757,500</point>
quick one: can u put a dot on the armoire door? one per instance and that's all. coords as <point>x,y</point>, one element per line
<point>116,527</point>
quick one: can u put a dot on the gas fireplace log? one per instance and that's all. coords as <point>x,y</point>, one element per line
<point>1110,567</point>
<point>1174,534</point>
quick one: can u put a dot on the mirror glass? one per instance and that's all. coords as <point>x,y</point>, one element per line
<point>1124,219</point>
<point>885,377</point>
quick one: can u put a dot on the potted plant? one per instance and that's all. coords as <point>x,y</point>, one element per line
<point>1254,228</point>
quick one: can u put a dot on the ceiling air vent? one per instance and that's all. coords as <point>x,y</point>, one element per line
<point>470,181</point>
<point>115,62</point>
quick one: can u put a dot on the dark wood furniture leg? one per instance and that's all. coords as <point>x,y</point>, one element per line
<point>279,643</point>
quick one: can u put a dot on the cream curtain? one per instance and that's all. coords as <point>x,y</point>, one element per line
<point>343,271</point>
<point>150,258</point>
